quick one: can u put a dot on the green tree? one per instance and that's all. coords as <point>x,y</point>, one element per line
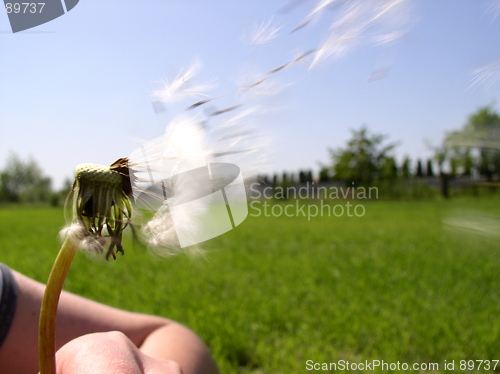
<point>363,158</point>
<point>406,167</point>
<point>389,168</point>
<point>467,162</point>
<point>309,176</point>
<point>324,175</point>
<point>59,198</point>
<point>419,172</point>
<point>430,168</point>
<point>24,182</point>
<point>481,133</point>
<point>441,155</point>
<point>275,182</point>
<point>302,177</point>
<point>284,179</point>
<point>461,161</point>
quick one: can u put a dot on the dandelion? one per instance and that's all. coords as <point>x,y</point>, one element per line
<point>101,203</point>
<point>101,211</point>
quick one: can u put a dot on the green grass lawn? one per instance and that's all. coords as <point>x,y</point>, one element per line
<point>393,285</point>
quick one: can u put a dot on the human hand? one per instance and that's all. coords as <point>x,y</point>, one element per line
<point>109,353</point>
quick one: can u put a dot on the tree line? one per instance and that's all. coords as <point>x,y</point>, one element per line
<point>25,182</point>
<point>367,159</point>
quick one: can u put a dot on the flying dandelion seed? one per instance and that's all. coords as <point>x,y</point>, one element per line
<point>182,86</point>
<point>225,110</point>
<point>315,13</point>
<point>255,85</point>
<point>493,9</point>
<point>264,34</point>
<point>200,103</point>
<point>376,22</point>
<point>389,38</point>
<point>477,223</point>
<point>487,76</point>
<point>289,6</point>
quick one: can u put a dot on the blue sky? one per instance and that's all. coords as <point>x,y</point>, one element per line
<point>79,88</point>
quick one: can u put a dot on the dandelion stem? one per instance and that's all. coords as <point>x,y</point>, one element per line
<point>48,311</point>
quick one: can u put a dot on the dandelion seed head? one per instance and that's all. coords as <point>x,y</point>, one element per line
<point>176,174</point>
<point>101,206</point>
